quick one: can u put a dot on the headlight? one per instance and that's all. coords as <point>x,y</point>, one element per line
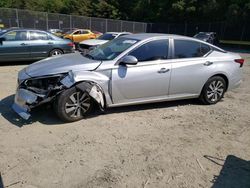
<point>42,85</point>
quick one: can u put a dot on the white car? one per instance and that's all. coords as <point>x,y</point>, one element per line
<point>87,45</point>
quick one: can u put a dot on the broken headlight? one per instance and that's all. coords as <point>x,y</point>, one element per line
<point>43,85</point>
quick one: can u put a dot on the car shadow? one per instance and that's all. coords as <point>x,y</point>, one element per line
<point>235,172</point>
<point>46,115</point>
<point>1,181</point>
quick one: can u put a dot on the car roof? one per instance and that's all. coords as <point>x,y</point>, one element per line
<point>143,36</point>
<point>117,33</point>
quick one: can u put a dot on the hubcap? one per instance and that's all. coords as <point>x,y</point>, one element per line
<point>77,104</point>
<point>56,52</point>
<point>215,90</point>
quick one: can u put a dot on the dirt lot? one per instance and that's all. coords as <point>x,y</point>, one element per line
<point>171,144</point>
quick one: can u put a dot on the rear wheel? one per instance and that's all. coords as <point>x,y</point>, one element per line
<point>55,52</point>
<point>72,105</point>
<point>213,91</point>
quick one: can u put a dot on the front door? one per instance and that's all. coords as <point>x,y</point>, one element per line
<point>148,80</point>
<point>15,46</point>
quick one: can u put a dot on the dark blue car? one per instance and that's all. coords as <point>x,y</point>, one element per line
<point>31,44</point>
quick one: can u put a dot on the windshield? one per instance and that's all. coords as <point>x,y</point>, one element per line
<point>107,36</point>
<point>111,49</point>
<point>201,35</point>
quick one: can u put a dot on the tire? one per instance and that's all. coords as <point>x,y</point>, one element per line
<point>213,91</point>
<point>73,104</point>
<point>55,52</point>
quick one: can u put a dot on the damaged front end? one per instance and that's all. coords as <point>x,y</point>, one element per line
<point>36,91</point>
<point>33,92</point>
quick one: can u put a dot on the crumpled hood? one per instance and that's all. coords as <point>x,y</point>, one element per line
<point>93,42</point>
<point>61,64</point>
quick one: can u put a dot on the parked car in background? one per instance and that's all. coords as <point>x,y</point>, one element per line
<point>97,33</point>
<point>57,32</point>
<point>210,37</point>
<point>87,45</point>
<point>31,44</point>
<point>132,69</point>
<point>79,35</point>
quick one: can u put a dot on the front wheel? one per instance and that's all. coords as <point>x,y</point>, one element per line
<point>72,105</point>
<point>213,91</point>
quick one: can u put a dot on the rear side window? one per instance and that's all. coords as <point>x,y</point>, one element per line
<point>189,49</point>
<point>153,50</point>
<point>34,35</point>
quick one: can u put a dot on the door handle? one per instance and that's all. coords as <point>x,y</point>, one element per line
<point>23,44</point>
<point>208,63</point>
<point>163,70</point>
<point>50,42</point>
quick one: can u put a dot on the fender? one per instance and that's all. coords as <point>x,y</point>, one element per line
<point>97,84</point>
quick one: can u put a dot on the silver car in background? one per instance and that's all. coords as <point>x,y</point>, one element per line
<point>133,69</point>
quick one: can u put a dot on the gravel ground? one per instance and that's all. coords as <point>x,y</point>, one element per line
<point>170,144</point>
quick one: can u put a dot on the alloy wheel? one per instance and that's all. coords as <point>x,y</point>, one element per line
<point>77,104</point>
<point>215,90</point>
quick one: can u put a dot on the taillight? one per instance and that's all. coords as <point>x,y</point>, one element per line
<point>240,61</point>
<point>71,44</point>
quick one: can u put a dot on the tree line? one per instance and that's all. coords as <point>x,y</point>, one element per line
<point>161,11</point>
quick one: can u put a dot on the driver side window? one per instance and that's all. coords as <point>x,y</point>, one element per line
<point>154,50</point>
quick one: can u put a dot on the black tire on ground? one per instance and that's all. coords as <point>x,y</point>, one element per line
<point>213,91</point>
<point>55,52</point>
<point>73,104</point>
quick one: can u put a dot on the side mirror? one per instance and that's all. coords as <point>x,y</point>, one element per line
<point>128,60</point>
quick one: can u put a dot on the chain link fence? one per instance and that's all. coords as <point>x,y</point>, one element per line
<point>45,21</point>
<point>225,30</point>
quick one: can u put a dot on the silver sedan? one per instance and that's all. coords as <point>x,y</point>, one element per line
<point>133,69</point>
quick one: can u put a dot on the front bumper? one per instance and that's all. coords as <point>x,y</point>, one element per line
<point>23,101</point>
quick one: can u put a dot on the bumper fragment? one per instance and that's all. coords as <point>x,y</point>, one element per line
<point>23,98</point>
<point>21,111</point>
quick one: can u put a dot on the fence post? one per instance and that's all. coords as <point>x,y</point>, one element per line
<point>185,31</point>
<point>133,27</point>
<point>17,18</point>
<point>121,25</point>
<point>90,23</point>
<point>145,27</point>
<point>47,21</point>
<point>70,22</point>
<point>106,25</point>
<point>243,32</point>
<point>209,26</point>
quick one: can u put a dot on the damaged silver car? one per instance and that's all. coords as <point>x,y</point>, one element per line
<point>133,69</point>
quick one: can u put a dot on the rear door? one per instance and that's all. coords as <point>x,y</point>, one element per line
<point>40,44</point>
<point>190,68</point>
<point>148,80</point>
<point>15,46</point>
